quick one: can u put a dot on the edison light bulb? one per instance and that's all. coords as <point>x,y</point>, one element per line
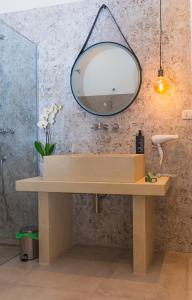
<point>161,85</point>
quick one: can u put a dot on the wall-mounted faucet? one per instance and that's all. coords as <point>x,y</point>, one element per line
<point>103,126</point>
<point>100,126</point>
<point>115,126</point>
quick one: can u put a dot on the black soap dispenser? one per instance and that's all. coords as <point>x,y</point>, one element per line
<point>139,143</point>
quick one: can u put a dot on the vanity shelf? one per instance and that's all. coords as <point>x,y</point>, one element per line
<point>62,178</point>
<point>140,187</point>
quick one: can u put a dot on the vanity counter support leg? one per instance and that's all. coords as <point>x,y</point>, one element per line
<point>55,225</point>
<point>143,233</point>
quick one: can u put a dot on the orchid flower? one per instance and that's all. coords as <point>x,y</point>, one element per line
<point>46,120</point>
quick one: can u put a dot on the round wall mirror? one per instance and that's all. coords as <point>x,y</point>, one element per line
<point>106,78</point>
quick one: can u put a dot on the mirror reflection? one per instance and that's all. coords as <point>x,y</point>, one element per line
<point>106,78</point>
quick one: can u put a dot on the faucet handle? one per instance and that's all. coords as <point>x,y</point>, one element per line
<point>115,126</point>
<point>100,126</point>
<point>95,126</point>
<point>105,126</point>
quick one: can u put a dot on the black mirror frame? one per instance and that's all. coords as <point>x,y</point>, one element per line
<point>138,90</point>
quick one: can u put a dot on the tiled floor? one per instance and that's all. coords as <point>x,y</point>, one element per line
<point>7,252</point>
<point>97,274</point>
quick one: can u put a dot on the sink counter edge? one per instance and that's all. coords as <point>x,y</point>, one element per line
<point>38,184</point>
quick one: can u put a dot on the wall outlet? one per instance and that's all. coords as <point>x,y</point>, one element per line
<point>187,114</point>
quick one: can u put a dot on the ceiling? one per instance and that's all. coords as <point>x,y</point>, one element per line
<point>18,5</point>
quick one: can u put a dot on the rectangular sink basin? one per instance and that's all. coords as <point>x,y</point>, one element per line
<point>113,168</point>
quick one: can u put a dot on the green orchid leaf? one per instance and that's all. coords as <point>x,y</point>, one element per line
<point>39,148</point>
<point>52,149</point>
<point>47,147</point>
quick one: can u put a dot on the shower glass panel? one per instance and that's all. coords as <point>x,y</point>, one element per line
<point>18,131</point>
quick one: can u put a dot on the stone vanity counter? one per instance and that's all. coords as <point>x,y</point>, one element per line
<point>55,210</point>
<point>140,187</point>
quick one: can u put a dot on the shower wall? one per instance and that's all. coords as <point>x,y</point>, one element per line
<point>18,118</point>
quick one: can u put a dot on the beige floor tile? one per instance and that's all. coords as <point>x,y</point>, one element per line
<point>128,289</point>
<point>16,263</point>
<point>174,277</point>
<point>124,270</point>
<point>87,273</point>
<point>10,275</point>
<point>55,280</point>
<point>8,252</point>
<point>19,292</point>
<point>61,295</point>
<point>100,297</point>
<point>81,267</point>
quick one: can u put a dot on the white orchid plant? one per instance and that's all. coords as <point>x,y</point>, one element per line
<point>47,119</point>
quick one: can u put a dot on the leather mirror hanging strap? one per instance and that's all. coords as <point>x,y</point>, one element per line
<point>93,26</point>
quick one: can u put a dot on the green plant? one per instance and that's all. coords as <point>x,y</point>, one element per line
<point>44,150</point>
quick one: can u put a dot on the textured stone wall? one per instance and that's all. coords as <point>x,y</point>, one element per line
<point>60,32</point>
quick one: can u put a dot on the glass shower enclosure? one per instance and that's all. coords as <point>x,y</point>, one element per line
<point>18,131</point>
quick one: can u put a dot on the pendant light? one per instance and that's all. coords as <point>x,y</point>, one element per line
<point>161,85</point>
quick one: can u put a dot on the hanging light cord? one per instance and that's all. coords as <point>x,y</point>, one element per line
<point>160,35</point>
<point>161,85</point>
